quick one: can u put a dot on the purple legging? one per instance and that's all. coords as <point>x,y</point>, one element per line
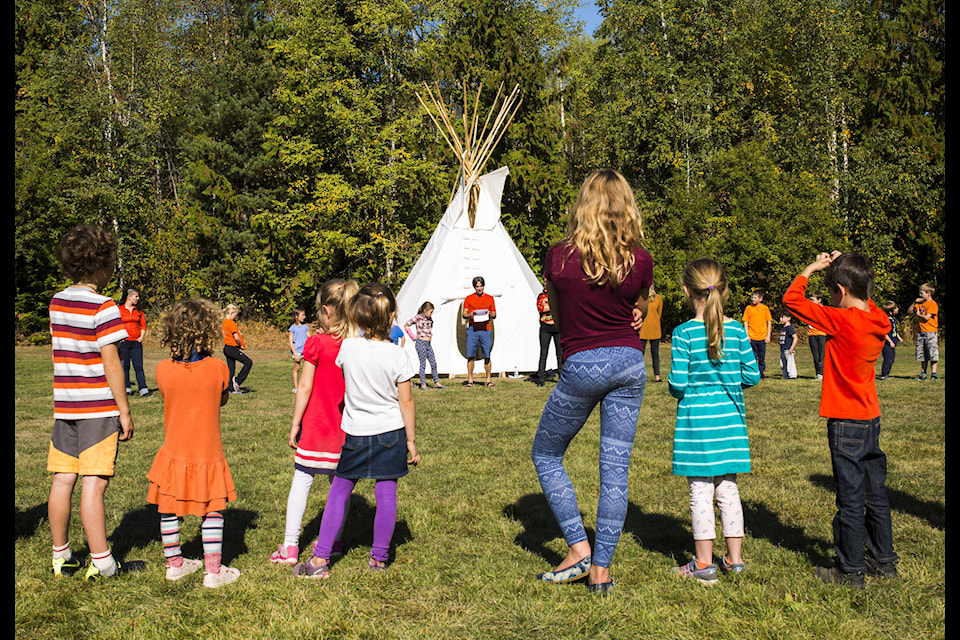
<point>384,522</point>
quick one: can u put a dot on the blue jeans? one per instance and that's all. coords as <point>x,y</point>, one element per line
<point>760,353</point>
<point>614,378</point>
<point>131,352</point>
<point>863,511</point>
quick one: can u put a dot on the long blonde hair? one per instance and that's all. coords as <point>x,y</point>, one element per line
<point>336,295</point>
<point>706,280</point>
<point>605,226</point>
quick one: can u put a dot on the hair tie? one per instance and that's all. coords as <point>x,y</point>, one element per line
<point>379,293</point>
<point>710,288</point>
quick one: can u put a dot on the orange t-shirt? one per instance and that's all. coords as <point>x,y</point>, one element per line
<point>755,319</point>
<point>229,328</point>
<point>927,308</point>
<point>854,342</point>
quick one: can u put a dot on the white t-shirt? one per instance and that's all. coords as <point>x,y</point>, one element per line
<point>371,372</point>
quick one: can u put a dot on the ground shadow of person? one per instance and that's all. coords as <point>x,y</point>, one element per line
<point>667,535</point>
<point>358,528</point>
<point>26,522</point>
<point>140,527</point>
<point>539,526</point>
<point>933,512</point>
<point>761,522</point>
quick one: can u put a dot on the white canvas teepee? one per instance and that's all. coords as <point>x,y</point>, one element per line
<point>471,241</point>
<point>443,275</point>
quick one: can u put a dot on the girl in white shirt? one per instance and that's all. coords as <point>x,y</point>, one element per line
<point>379,421</point>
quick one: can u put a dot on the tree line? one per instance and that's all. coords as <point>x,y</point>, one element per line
<point>248,150</point>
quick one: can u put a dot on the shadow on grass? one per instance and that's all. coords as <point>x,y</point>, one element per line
<point>661,533</point>
<point>933,512</point>
<point>26,522</point>
<point>761,522</point>
<point>358,528</point>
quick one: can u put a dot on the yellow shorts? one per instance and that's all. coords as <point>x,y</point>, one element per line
<point>87,446</point>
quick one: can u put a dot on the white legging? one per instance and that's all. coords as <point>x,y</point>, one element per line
<point>702,493</point>
<point>297,505</point>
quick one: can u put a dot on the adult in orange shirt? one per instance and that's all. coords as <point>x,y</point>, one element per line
<point>479,310</point>
<point>758,322</point>
<point>928,313</point>
<point>816,338</point>
<point>651,332</point>
<point>131,349</point>
<point>232,345</point>
<point>855,330</point>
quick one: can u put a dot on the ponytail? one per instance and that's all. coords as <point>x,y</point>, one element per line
<point>706,280</point>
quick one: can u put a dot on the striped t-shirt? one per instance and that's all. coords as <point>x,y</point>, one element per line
<point>81,323</point>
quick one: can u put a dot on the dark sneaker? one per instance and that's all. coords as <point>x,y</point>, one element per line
<point>66,567</point>
<point>879,569</point>
<point>832,575</point>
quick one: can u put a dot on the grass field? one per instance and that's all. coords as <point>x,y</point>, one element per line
<point>474,530</point>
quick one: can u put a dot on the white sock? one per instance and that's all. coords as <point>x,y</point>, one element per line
<point>62,552</point>
<point>104,562</point>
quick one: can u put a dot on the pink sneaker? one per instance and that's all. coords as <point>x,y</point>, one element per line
<point>285,555</point>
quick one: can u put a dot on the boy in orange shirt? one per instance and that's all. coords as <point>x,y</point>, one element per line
<point>758,322</point>
<point>855,330</point>
<point>927,315</point>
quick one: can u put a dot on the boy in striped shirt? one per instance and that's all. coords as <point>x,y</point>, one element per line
<point>91,413</point>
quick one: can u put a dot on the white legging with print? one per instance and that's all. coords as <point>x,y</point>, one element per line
<point>727,494</point>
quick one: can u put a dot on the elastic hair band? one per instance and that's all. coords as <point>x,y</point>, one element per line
<point>710,288</point>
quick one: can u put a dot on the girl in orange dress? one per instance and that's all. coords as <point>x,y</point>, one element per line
<point>190,473</point>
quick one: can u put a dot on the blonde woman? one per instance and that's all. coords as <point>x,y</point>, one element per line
<point>233,344</point>
<point>712,362</point>
<point>597,280</point>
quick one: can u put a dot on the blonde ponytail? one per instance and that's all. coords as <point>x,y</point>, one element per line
<point>706,280</point>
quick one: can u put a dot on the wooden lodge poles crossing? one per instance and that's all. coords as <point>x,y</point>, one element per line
<point>475,148</point>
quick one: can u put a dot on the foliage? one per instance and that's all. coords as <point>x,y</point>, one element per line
<point>248,150</point>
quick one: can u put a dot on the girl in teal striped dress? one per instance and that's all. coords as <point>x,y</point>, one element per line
<point>712,364</point>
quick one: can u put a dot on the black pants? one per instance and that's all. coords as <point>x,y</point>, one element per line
<point>549,332</point>
<point>655,355</point>
<point>234,355</point>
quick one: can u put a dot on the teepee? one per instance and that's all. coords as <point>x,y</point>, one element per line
<point>469,241</point>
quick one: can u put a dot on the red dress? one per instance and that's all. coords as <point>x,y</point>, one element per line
<point>190,473</point>
<point>321,439</point>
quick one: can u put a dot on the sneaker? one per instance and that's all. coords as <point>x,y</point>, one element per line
<point>707,575</point>
<point>66,567</point>
<point>933,376</point>
<point>437,385</point>
<point>307,570</point>
<point>832,575</point>
<point>819,376</point>
<point>289,554</point>
<point>226,576</point>
<point>731,567</point>
<point>189,566</point>
<point>130,566</point>
<point>879,569</point>
<point>922,376</point>
<point>236,386</point>
<point>146,393</point>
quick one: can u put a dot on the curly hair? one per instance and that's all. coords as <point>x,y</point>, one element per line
<point>85,250</point>
<point>190,326</point>
<point>605,226</point>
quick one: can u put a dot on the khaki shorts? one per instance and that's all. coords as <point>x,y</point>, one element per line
<point>87,446</point>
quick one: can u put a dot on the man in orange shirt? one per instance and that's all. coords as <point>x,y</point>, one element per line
<point>855,330</point>
<point>927,315</point>
<point>758,322</point>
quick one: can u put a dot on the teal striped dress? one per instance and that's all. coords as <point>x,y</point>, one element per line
<point>710,437</point>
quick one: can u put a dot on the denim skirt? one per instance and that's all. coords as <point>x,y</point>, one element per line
<point>379,457</point>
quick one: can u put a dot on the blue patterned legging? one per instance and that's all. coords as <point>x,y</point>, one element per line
<point>615,378</point>
<point>425,353</point>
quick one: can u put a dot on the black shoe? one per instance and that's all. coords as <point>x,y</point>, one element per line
<point>66,567</point>
<point>128,566</point>
<point>876,568</point>
<point>832,575</point>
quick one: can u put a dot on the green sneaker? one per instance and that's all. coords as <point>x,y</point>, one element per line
<point>922,376</point>
<point>130,566</point>
<point>66,567</point>
<point>933,376</point>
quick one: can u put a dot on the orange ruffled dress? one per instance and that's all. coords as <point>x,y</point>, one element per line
<point>190,473</point>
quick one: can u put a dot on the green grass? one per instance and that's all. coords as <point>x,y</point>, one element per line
<point>473,528</point>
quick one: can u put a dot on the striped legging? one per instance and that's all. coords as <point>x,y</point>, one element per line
<point>614,378</point>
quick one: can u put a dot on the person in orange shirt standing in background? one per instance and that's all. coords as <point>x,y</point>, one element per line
<point>651,331</point>
<point>131,349</point>
<point>928,313</point>
<point>758,323</point>
<point>816,338</point>
<point>856,330</point>
<point>232,345</point>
